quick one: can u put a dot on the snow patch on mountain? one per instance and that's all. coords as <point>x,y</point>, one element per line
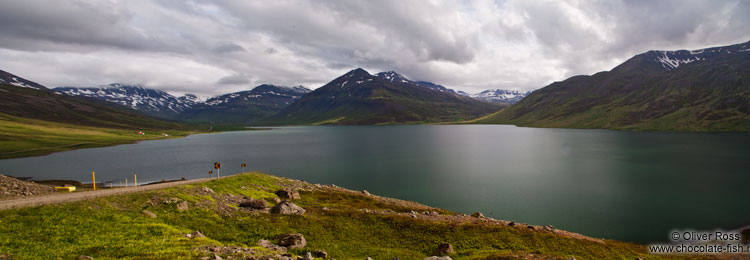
<point>136,97</point>
<point>498,95</point>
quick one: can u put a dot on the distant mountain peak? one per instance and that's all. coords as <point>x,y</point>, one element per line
<point>10,78</point>
<point>152,101</point>
<point>499,95</point>
<point>392,76</point>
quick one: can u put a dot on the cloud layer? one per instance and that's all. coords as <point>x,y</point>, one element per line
<point>212,47</point>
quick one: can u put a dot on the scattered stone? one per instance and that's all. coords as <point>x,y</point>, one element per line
<point>292,241</point>
<point>84,257</point>
<point>368,258</point>
<point>443,249</point>
<point>148,213</point>
<point>276,200</point>
<point>477,215</point>
<point>434,213</point>
<point>511,224</point>
<point>320,253</point>
<point>207,190</point>
<point>438,258</point>
<point>251,203</point>
<point>287,208</point>
<point>308,256</point>
<point>413,212</point>
<point>13,188</point>
<point>183,206</point>
<point>396,258</point>
<point>367,193</point>
<point>574,258</point>
<point>640,258</point>
<point>268,245</point>
<point>549,228</point>
<point>288,194</point>
<point>325,208</point>
<point>217,257</point>
<point>196,234</point>
<point>205,258</point>
<point>531,227</point>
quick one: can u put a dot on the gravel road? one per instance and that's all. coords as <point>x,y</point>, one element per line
<point>76,196</point>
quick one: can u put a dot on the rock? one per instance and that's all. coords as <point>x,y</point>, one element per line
<point>367,193</point>
<point>287,208</point>
<point>574,258</point>
<point>531,227</point>
<point>368,258</point>
<point>396,258</point>
<point>205,258</point>
<point>251,203</point>
<point>443,249</point>
<point>148,213</point>
<point>84,257</point>
<point>182,206</point>
<point>217,257</point>
<point>640,258</point>
<point>207,190</point>
<point>320,253</point>
<point>276,200</point>
<point>288,194</point>
<point>477,215</point>
<point>511,224</point>
<point>196,234</point>
<point>549,228</point>
<point>438,258</point>
<point>268,245</point>
<point>292,241</point>
<point>308,256</point>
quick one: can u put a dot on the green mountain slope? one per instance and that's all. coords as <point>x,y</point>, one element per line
<point>699,90</point>
<point>360,98</point>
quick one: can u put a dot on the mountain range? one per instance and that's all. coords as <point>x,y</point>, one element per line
<point>153,102</point>
<point>697,90</point>
<point>23,98</point>
<point>358,97</point>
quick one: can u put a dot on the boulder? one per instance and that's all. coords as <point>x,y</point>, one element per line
<point>196,234</point>
<point>366,193</point>
<point>268,245</point>
<point>287,208</point>
<point>308,256</point>
<point>254,204</point>
<point>84,257</point>
<point>320,253</point>
<point>207,190</point>
<point>292,241</point>
<point>182,206</point>
<point>148,213</point>
<point>288,194</point>
<point>477,215</point>
<point>443,249</point>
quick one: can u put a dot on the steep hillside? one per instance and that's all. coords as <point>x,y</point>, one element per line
<point>358,97</point>
<point>44,104</point>
<point>699,90</point>
<point>149,101</point>
<point>245,106</point>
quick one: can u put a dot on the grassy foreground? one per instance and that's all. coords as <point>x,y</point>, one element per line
<point>21,137</point>
<point>346,224</point>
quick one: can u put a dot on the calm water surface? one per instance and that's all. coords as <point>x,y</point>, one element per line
<point>633,186</point>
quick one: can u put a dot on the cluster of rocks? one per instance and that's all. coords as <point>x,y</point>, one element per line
<point>13,188</point>
<point>283,207</point>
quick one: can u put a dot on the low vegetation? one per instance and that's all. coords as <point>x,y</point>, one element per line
<point>346,224</point>
<point>20,137</point>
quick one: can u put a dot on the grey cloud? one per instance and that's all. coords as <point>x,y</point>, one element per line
<point>211,47</point>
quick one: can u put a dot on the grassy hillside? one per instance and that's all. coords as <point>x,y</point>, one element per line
<point>21,137</point>
<point>712,94</point>
<point>346,224</point>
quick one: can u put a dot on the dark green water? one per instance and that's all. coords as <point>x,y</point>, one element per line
<point>631,186</point>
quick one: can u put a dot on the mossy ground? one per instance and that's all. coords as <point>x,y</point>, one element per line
<point>346,224</point>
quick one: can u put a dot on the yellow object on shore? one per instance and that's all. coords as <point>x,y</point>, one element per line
<point>68,189</point>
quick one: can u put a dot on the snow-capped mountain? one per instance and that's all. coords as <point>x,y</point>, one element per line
<point>17,81</point>
<point>394,77</point>
<point>150,101</point>
<point>245,106</point>
<point>498,95</point>
<point>671,60</point>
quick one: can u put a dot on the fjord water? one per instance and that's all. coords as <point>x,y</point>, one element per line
<point>632,186</point>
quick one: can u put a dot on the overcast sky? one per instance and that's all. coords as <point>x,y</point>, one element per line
<point>213,47</point>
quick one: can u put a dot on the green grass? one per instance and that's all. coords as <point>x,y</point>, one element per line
<point>114,228</point>
<point>20,137</point>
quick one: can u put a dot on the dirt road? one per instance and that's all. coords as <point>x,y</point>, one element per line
<point>76,196</point>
